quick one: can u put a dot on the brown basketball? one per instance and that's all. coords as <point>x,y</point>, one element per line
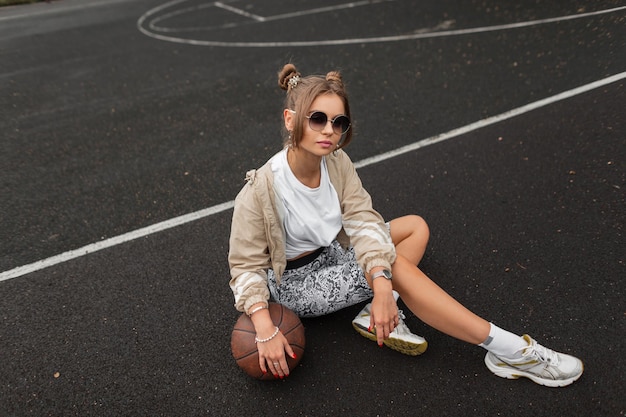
<point>244,348</point>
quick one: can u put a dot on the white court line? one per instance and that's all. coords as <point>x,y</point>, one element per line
<point>153,23</point>
<point>319,10</point>
<point>239,11</point>
<point>335,42</point>
<point>114,241</point>
<point>490,120</point>
<point>187,218</point>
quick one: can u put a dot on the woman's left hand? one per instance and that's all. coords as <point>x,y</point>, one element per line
<point>384,313</point>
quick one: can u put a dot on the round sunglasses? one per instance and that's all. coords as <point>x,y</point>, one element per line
<point>318,121</point>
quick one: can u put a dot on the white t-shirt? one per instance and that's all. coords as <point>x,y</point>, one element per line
<point>312,216</point>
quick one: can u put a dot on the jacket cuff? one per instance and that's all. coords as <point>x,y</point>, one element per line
<point>257,298</point>
<point>373,263</point>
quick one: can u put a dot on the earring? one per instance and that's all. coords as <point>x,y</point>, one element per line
<point>337,147</point>
<point>290,140</point>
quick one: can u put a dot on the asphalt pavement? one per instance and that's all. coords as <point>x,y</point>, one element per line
<point>126,131</point>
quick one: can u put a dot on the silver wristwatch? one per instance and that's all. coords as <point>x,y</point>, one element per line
<point>384,273</point>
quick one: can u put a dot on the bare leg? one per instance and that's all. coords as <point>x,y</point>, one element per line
<point>434,306</point>
<point>524,357</point>
<point>420,294</point>
<point>410,236</point>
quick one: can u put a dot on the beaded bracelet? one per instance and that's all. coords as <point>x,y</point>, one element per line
<point>257,340</point>
<point>255,310</point>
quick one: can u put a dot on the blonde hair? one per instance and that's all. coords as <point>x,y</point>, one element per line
<point>302,91</point>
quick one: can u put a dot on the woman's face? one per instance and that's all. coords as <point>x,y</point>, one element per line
<point>321,143</point>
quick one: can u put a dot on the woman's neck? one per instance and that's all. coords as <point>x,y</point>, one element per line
<point>305,166</point>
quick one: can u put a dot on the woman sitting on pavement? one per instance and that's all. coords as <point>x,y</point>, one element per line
<point>304,234</point>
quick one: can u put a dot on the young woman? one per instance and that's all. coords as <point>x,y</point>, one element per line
<point>304,234</point>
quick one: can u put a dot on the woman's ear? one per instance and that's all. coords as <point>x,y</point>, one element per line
<point>289,116</point>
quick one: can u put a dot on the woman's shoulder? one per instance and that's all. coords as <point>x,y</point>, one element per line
<point>263,174</point>
<point>339,161</point>
<point>256,181</point>
<point>340,169</point>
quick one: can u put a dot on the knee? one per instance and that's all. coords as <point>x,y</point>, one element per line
<point>420,227</point>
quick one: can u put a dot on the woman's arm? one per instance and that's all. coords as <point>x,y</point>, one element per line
<point>249,259</point>
<point>248,255</point>
<point>372,244</point>
<point>366,228</point>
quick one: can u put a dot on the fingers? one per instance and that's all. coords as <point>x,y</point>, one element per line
<point>383,328</point>
<point>276,366</point>
<point>384,316</point>
<point>262,365</point>
<point>376,327</point>
<point>279,367</point>
<point>273,359</point>
<point>289,351</point>
<point>384,334</point>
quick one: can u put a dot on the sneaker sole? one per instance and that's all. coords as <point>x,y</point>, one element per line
<point>508,373</point>
<point>407,348</point>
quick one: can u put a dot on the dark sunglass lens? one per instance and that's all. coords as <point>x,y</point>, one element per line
<point>317,121</point>
<point>341,124</point>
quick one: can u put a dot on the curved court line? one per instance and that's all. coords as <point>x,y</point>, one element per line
<point>393,38</point>
<point>187,218</point>
<point>255,18</point>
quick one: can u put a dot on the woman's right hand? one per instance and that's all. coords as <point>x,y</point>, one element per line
<point>272,352</point>
<point>272,355</point>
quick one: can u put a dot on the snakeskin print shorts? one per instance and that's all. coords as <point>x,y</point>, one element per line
<point>332,281</point>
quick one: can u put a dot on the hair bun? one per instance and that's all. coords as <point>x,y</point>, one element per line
<point>287,73</point>
<point>334,76</point>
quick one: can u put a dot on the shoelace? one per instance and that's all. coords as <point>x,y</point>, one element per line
<point>542,353</point>
<point>401,327</point>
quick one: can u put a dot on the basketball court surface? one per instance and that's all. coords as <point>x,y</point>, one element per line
<point>128,126</point>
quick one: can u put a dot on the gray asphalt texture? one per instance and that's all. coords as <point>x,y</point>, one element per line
<point>106,130</point>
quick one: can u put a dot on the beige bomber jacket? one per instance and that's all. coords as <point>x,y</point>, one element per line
<point>257,239</point>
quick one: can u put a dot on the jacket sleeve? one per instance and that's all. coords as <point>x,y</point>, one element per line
<point>368,233</point>
<point>248,255</point>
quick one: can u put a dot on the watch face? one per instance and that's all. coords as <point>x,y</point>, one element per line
<point>384,273</point>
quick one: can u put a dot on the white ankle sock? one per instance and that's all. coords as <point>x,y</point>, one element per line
<point>504,343</point>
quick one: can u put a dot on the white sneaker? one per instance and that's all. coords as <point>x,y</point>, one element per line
<point>401,339</point>
<point>540,364</point>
